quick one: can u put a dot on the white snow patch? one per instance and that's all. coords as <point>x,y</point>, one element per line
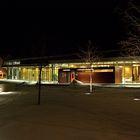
<point>87,93</point>
<point>136,99</point>
<point>9,92</point>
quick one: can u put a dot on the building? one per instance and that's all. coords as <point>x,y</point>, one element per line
<point>64,70</point>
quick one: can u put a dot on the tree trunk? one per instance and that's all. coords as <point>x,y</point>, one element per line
<point>91,90</point>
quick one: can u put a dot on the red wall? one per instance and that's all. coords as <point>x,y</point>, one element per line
<point>98,77</point>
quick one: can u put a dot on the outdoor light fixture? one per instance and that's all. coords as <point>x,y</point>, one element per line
<point>66,69</point>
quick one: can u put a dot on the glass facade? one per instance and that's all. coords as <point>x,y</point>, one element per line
<point>118,71</point>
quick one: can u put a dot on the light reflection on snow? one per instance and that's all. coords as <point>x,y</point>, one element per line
<point>136,99</point>
<point>87,93</point>
<point>9,92</point>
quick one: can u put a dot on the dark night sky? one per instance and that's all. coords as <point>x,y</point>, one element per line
<point>34,31</point>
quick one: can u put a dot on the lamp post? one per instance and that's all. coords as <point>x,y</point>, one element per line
<point>39,84</point>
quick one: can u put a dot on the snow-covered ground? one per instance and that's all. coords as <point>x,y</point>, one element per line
<point>67,113</point>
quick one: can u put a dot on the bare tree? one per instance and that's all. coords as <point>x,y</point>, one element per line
<point>1,62</point>
<point>131,45</point>
<point>90,55</point>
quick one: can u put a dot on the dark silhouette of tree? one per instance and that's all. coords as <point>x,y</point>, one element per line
<point>131,18</point>
<point>1,62</point>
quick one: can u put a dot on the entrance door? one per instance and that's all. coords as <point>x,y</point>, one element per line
<point>64,76</point>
